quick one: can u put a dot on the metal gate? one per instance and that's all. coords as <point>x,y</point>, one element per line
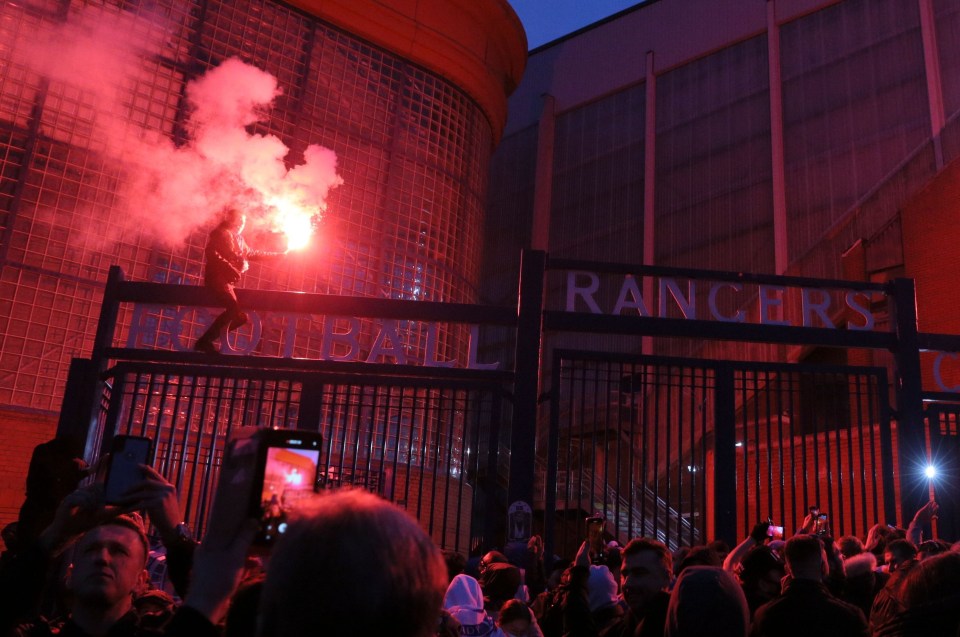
<point>635,438</point>
<point>943,448</point>
<point>424,444</point>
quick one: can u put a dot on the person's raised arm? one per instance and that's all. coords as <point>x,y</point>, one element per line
<point>756,538</point>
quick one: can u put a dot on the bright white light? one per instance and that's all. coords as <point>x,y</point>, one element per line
<point>930,471</point>
<point>294,478</point>
<point>738,444</point>
<point>295,222</point>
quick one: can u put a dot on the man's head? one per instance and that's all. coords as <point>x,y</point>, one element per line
<point>109,564</point>
<point>897,552</point>
<point>805,557</point>
<point>645,571</point>
<point>234,219</point>
<point>355,564</point>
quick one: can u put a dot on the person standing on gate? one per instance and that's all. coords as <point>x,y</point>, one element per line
<point>226,258</point>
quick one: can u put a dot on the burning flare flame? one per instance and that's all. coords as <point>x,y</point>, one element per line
<point>294,221</point>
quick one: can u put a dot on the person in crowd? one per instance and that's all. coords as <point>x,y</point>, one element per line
<point>930,600</point>
<point>921,521</point>
<point>863,582</point>
<point>806,607</point>
<point>645,576</point>
<point>355,565</point>
<point>109,558</point>
<point>603,597</point>
<point>759,536</point>
<point>707,600</point>
<point>568,612</point>
<point>697,556</point>
<point>517,620</point>
<point>456,563</point>
<point>849,546</point>
<point>226,257</point>
<point>500,582</point>
<point>901,557</point>
<point>760,573</point>
<point>464,601</point>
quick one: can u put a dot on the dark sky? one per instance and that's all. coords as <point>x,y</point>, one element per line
<point>546,20</point>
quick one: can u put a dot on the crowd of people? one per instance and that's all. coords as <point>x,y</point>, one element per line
<point>355,564</point>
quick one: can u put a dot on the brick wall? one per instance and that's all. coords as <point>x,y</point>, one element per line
<point>931,252</point>
<point>20,432</point>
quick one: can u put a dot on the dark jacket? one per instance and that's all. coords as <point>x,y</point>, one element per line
<point>807,608</point>
<point>226,256</point>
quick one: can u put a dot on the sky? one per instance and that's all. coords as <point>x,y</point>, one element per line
<point>547,20</point>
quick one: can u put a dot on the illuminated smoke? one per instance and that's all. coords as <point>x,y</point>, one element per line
<point>168,192</point>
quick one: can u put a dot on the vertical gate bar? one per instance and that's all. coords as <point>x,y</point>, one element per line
<point>386,405</point>
<point>590,452</point>
<point>886,452</point>
<point>167,469</point>
<point>694,463</point>
<point>777,391</point>
<point>340,422</point>
<point>432,428</point>
<point>862,399</point>
<point>622,395</point>
<point>605,438</point>
<point>853,409</point>
<point>874,418</point>
<point>447,465</point>
<point>492,522</point>
<point>134,395</point>
<point>815,426</point>
<point>911,438</point>
<point>584,379</point>
<point>463,472</point>
<point>222,400</point>
<point>752,396</point>
<point>657,400</point>
<point>672,384</point>
<point>649,376</point>
<point>117,398</point>
<point>743,422</point>
<point>828,453</point>
<point>418,419</point>
<point>409,445</point>
<point>763,399</point>
<point>192,469</point>
<point>147,403</point>
<point>371,426</point>
<point>799,433</point>
<point>725,466</point>
<point>185,442</point>
<point>527,359</point>
<point>702,506</point>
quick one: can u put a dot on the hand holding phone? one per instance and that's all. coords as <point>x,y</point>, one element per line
<point>127,453</point>
<point>285,475</point>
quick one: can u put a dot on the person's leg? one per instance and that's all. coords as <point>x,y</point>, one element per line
<point>226,297</point>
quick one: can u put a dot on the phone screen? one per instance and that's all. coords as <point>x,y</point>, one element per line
<point>290,470</point>
<point>127,453</point>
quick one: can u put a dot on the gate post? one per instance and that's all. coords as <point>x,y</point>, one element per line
<point>527,373</point>
<point>725,452</point>
<point>910,424</point>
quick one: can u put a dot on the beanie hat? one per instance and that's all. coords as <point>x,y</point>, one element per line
<point>601,588</point>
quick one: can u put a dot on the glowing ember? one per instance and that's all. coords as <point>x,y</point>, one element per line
<point>293,221</point>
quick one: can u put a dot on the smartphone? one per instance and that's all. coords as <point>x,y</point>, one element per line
<point>285,476</point>
<point>127,453</point>
<point>775,531</point>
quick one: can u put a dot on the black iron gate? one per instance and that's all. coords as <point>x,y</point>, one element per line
<point>426,444</point>
<point>680,449</point>
<point>635,439</point>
